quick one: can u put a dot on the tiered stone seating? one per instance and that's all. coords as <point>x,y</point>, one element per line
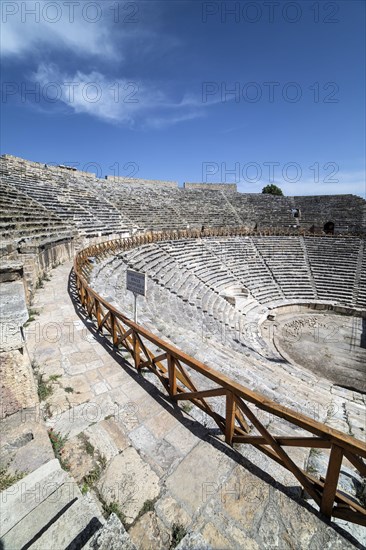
<point>347,212</point>
<point>241,256</point>
<point>68,519</point>
<point>200,261</point>
<point>263,270</point>
<point>176,290</point>
<point>361,294</point>
<point>117,205</point>
<point>159,207</point>
<point>263,210</point>
<point>23,219</point>
<point>271,269</point>
<point>205,207</point>
<point>285,258</point>
<point>147,207</point>
<point>178,267</point>
<point>333,263</point>
<point>67,194</point>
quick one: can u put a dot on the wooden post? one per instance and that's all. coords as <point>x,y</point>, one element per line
<point>98,313</point>
<point>136,350</point>
<point>172,375</point>
<point>230,417</point>
<point>82,294</point>
<point>331,480</point>
<point>114,329</point>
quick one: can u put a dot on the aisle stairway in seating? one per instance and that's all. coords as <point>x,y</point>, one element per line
<point>333,263</point>
<point>284,257</point>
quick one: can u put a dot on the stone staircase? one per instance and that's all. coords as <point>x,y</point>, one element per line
<point>46,510</point>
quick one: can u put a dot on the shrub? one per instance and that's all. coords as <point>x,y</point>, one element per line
<point>272,190</point>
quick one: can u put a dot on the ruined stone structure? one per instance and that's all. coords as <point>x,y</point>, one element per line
<point>260,304</point>
<point>103,207</point>
<point>211,186</point>
<point>138,182</point>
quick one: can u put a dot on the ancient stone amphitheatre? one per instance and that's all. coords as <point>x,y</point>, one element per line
<point>231,415</point>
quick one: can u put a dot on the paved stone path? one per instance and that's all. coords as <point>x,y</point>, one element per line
<point>149,456</point>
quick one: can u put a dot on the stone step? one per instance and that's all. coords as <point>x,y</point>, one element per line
<point>21,498</point>
<point>47,512</point>
<point>73,529</point>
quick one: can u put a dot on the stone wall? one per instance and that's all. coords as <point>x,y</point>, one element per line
<point>211,186</point>
<point>42,168</point>
<point>33,262</point>
<point>38,261</point>
<point>138,182</point>
<point>13,314</point>
<point>17,387</point>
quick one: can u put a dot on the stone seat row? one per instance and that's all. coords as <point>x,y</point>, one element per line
<point>148,261</point>
<point>291,282</point>
<point>192,291</point>
<point>187,285</point>
<point>340,261</point>
<point>173,206</point>
<point>79,207</point>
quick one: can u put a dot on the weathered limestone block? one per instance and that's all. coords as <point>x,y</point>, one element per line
<point>169,510</point>
<point>7,249</point>
<point>25,444</point>
<point>193,541</point>
<point>13,314</point>
<point>112,536</point>
<point>149,532</point>
<point>17,387</point>
<point>266,517</point>
<point>11,271</point>
<point>80,462</point>
<point>129,481</point>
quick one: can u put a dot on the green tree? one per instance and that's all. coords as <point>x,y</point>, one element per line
<point>272,190</point>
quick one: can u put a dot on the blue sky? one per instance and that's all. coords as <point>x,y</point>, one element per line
<point>247,92</point>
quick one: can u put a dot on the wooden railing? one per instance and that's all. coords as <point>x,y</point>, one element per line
<point>171,366</point>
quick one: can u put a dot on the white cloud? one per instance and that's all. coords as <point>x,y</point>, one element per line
<point>36,31</point>
<point>118,101</point>
<point>29,27</point>
<point>161,122</point>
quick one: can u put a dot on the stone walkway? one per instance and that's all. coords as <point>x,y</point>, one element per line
<point>126,443</point>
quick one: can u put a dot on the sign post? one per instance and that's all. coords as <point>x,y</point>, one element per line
<point>136,283</point>
<point>135,307</point>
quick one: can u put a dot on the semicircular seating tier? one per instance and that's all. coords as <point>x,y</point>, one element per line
<point>251,272</point>
<point>115,205</point>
